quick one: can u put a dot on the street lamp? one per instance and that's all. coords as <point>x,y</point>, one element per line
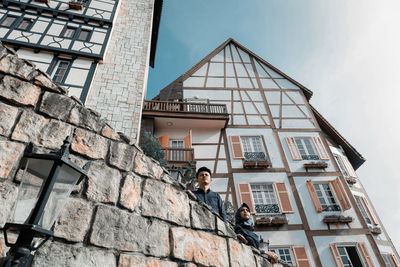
<point>46,184</point>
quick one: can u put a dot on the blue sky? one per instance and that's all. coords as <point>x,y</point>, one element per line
<point>346,52</point>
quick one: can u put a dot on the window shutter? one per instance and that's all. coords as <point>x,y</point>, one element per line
<point>283,197</point>
<point>367,257</point>
<point>246,196</point>
<point>314,197</point>
<point>395,261</point>
<point>188,140</point>
<point>336,255</point>
<point>300,254</point>
<point>341,194</point>
<point>236,146</point>
<point>294,151</point>
<point>320,148</point>
<point>374,220</point>
<point>164,140</point>
<point>348,166</point>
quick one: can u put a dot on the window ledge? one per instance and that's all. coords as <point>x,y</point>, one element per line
<point>315,165</point>
<point>376,230</point>
<point>75,5</point>
<point>261,164</point>
<point>337,219</point>
<point>272,220</point>
<point>351,180</point>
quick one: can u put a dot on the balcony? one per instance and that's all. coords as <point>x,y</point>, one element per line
<point>179,157</point>
<point>256,160</point>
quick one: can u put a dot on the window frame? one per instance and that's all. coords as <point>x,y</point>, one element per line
<point>6,16</point>
<point>388,258</point>
<point>89,35</point>
<point>264,198</point>
<point>57,67</point>
<point>341,165</point>
<point>355,246</point>
<point>325,197</point>
<point>364,210</point>
<point>171,141</point>
<point>291,254</point>
<point>65,29</point>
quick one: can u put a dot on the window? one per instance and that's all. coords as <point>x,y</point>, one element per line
<point>345,166</point>
<point>61,70</point>
<point>284,253</point>
<point>8,21</point>
<point>341,165</point>
<point>390,260</point>
<point>177,143</point>
<point>25,24</point>
<point>365,210</point>
<point>68,32</point>
<point>307,148</point>
<point>265,201</point>
<point>84,35</point>
<point>328,196</point>
<point>351,255</point>
<point>249,148</point>
<point>266,198</point>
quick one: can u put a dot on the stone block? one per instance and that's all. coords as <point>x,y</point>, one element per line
<point>202,218</point>
<point>165,202</point>
<point>56,105</point>
<point>130,192</point>
<point>89,144</point>
<point>109,132</point>
<point>240,255</point>
<point>199,247</point>
<point>53,134</point>
<point>19,92</point>
<point>18,67</point>
<point>122,156</point>
<point>263,262</point>
<point>189,265</point>
<point>8,196</point>
<point>74,220</point>
<point>103,183</point>
<point>43,80</point>
<point>126,260</point>
<point>147,167</point>
<point>55,254</point>
<point>115,228</point>
<point>8,114</point>
<point>86,118</point>
<point>10,156</point>
<point>28,127</point>
<point>224,229</point>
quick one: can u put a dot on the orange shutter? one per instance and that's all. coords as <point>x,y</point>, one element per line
<point>340,194</point>
<point>188,140</point>
<point>320,148</point>
<point>395,261</point>
<point>336,255</point>
<point>164,140</point>
<point>283,197</point>
<point>367,257</point>
<point>348,166</point>
<point>314,196</point>
<point>300,254</point>
<point>236,146</point>
<point>294,151</point>
<point>245,196</point>
<point>374,220</point>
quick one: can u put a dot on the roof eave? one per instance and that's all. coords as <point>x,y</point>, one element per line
<point>156,26</point>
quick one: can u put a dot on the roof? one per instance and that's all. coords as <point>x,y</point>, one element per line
<point>164,92</point>
<point>355,158</point>
<point>156,26</point>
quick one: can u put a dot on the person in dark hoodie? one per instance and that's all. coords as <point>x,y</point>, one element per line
<point>244,227</point>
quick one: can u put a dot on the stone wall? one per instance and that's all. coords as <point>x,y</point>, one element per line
<point>118,88</point>
<point>129,211</point>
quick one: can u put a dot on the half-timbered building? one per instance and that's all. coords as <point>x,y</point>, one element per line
<point>99,50</point>
<point>254,127</point>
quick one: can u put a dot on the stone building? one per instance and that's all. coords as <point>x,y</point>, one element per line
<point>254,127</point>
<point>99,50</point>
<point>129,212</point>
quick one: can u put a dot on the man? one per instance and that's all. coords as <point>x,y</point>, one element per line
<point>205,195</point>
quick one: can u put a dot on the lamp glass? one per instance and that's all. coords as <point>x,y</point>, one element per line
<point>65,181</point>
<point>35,174</point>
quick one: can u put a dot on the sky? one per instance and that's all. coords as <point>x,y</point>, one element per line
<point>346,51</point>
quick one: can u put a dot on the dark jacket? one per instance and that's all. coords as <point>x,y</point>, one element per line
<point>246,228</point>
<point>213,200</point>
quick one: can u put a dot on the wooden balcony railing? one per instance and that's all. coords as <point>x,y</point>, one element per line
<point>178,154</point>
<point>184,107</point>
